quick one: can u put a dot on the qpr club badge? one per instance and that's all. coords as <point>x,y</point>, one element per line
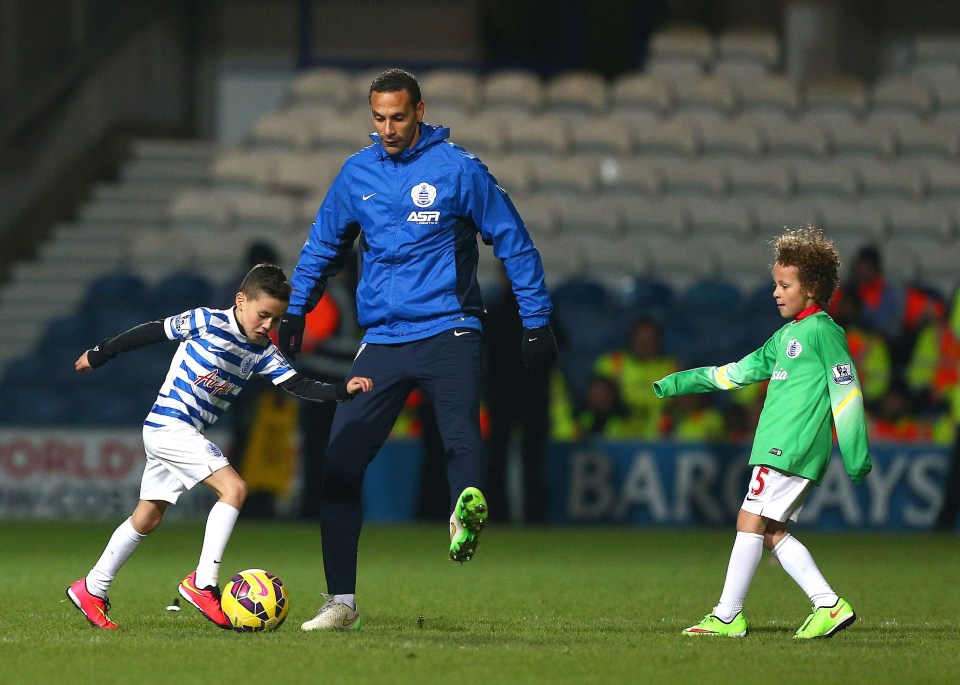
<point>794,348</point>
<point>423,194</point>
<point>246,366</point>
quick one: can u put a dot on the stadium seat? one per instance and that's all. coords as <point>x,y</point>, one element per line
<point>539,215</point>
<point>679,260</point>
<point>323,87</point>
<point>481,134</point>
<point>771,215</point>
<point>672,138</point>
<point>710,218</point>
<point>360,82</point>
<point>706,98</point>
<point>856,139</point>
<point>864,220</point>
<point>514,173</point>
<point>303,174</point>
<point>562,258</point>
<point>575,176</point>
<point>647,296</point>
<point>199,210</point>
<point>928,141</point>
<point>938,268</point>
<point>644,217</point>
<point>731,138</point>
<point>712,294</point>
<point>344,135</point>
<point>745,54</point>
<point>749,178</point>
<point>827,178</point>
<point>545,134</point>
<point>455,90</point>
<point>585,216</point>
<point>795,139</point>
<point>701,177</point>
<point>264,212</point>
<point>947,98</point>
<point>835,98</point>
<point>680,50</point>
<point>942,179</point>
<point>582,307</point>
<point>603,137</point>
<point>771,99</point>
<point>899,100</point>
<point>886,180</point>
<point>640,98</point>
<point>153,254</point>
<point>516,90</point>
<point>576,93</point>
<point>630,177</point>
<point>613,260</point>
<point>179,292</point>
<point>120,287</point>
<point>743,263</point>
<point>283,130</point>
<point>243,169</point>
<point>921,221</point>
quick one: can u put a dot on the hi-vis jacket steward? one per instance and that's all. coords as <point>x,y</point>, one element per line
<point>813,387</point>
<point>417,216</point>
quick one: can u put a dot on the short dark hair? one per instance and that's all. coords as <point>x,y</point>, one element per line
<point>266,279</point>
<point>394,81</point>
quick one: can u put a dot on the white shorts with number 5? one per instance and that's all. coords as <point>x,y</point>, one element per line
<point>776,495</point>
<point>177,459</point>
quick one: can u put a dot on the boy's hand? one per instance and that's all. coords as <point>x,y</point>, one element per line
<point>82,365</point>
<point>359,384</point>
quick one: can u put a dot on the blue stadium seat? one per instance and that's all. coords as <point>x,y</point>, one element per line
<point>120,287</point>
<point>712,295</point>
<point>180,292</point>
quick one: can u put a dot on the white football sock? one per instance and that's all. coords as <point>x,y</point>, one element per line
<point>220,524</point>
<point>799,565</point>
<point>744,559</point>
<point>122,544</point>
<point>346,599</point>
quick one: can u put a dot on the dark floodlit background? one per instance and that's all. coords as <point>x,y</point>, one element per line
<point>653,148</point>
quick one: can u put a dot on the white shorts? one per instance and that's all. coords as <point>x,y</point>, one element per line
<point>776,495</point>
<point>177,459</point>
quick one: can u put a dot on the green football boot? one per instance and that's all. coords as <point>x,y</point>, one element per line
<point>712,626</point>
<point>827,621</point>
<point>468,519</point>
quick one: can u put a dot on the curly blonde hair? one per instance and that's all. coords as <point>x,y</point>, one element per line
<point>815,257</point>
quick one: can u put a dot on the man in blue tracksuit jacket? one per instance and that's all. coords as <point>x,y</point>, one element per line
<point>417,202</point>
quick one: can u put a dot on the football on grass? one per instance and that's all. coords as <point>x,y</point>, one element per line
<point>255,600</point>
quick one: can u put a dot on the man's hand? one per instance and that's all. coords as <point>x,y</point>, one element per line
<point>539,348</point>
<point>290,334</point>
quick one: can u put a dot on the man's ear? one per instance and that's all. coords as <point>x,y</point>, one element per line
<point>240,299</point>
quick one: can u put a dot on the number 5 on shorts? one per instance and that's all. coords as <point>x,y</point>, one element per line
<point>758,475</point>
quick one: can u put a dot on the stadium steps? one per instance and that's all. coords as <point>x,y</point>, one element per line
<point>101,239</point>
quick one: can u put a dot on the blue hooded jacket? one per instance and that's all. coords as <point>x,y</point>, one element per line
<point>417,216</point>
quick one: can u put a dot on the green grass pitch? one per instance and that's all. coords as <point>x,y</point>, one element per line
<point>554,605</point>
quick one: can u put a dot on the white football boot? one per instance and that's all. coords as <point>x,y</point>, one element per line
<point>334,615</point>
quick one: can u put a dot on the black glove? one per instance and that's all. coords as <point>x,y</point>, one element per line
<point>539,348</point>
<point>290,334</point>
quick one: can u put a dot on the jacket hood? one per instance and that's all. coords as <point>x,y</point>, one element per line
<point>430,135</point>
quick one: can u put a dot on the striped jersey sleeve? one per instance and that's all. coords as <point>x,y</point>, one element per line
<point>213,363</point>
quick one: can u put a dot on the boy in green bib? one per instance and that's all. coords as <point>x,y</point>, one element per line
<point>813,390</point>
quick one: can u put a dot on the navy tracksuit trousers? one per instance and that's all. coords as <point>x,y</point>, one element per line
<point>447,368</point>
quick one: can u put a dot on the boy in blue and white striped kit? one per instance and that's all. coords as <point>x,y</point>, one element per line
<point>219,351</point>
